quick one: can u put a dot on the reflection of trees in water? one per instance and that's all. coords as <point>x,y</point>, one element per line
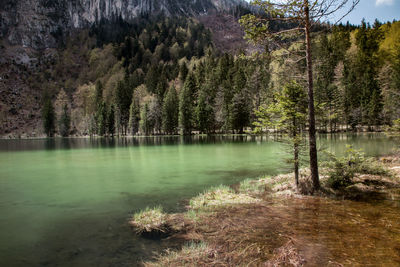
<point>325,140</point>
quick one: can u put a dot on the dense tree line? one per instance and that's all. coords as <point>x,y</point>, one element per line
<point>350,88</point>
<point>167,78</point>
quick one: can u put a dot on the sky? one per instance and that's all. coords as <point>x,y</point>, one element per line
<point>383,10</point>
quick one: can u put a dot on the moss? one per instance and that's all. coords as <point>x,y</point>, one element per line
<point>219,196</point>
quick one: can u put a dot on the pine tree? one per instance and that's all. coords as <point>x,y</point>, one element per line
<point>144,120</point>
<point>152,78</point>
<point>301,13</point>
<point>48,116</point>
<point>288,115</point>
<point>102,119</point>
<point>292,105</point>
<point>204,113</point>
<point>123,101</point>
<point>186,108</point>
<point>111,121</point>
<point>183,71</point>
<point>240,111</point>
<point>65,122</point>
<point>191,85</point>
<point>366,64</point>
<point>134,116</point>
<point>99,93</point>
<point>170,112</point>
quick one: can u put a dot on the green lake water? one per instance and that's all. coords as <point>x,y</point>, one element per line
<point>66,202</point>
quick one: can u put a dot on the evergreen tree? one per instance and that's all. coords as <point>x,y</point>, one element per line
<point>366,74</point>
<point>65,122</point>
<point>111,121</point>
<point>186,108</point>
<point>123,101</point>
<point>191,85</point>
<point>99,93</point>
<point>240,111</point>
<point>102,119</point>
<point>170,112</point>
<point>183,71</point>
<point>48,116</point>
<point>288,115</point>
<point>302,13</point>
<point>98,101</point>
<point>134,116</point>
<point>204,113</point>
<point>144,120</point>
<point>152,78</point>
<point>292,105</point>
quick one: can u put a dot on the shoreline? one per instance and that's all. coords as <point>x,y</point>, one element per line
<point>242,224</point>
<point>43,137</point>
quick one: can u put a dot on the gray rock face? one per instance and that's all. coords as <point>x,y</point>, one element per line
<point>38,23</point>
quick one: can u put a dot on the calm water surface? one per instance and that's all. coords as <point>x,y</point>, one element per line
<point>66,202</point>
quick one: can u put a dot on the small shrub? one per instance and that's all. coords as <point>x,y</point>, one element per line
<point>341,170</point>
<point>393,130</point>
<point>396,126</point>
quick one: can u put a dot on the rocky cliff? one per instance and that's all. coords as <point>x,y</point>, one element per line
<point>39,23</point>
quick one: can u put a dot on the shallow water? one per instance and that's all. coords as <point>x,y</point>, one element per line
<point>65,202</point>
<point>329,232</point>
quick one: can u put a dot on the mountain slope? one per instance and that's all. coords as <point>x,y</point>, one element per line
<point>39,23</point>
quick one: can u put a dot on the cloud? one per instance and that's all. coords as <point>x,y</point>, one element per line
<point>384,2</point>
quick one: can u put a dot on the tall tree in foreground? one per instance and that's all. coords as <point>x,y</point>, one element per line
<point>303,14</point>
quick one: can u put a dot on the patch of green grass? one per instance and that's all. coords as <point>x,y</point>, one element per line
<point>219,196</point>
<point>149,220</point>
<point>252,186</point>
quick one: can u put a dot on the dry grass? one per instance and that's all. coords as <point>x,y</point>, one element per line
<point>241,235</point>
<point>190,255</point>
<point>150,220</point>
<point>287,255</point>
<point>218,197</point>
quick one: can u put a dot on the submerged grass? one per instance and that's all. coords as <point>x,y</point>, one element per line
<point>192,254</point>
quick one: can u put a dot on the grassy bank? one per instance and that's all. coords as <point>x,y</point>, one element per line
<point>239,226</point>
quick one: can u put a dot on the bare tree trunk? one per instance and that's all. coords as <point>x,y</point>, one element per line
<point>296,163</point>
<point>311,112</point>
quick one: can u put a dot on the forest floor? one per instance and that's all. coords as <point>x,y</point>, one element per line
<point>268,222</point>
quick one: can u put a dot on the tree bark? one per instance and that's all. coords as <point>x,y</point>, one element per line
<point>296,163</point>
<point>296,153</point>
<point>311,112</point>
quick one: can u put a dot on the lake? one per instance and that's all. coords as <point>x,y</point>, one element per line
<point>66,202</point>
